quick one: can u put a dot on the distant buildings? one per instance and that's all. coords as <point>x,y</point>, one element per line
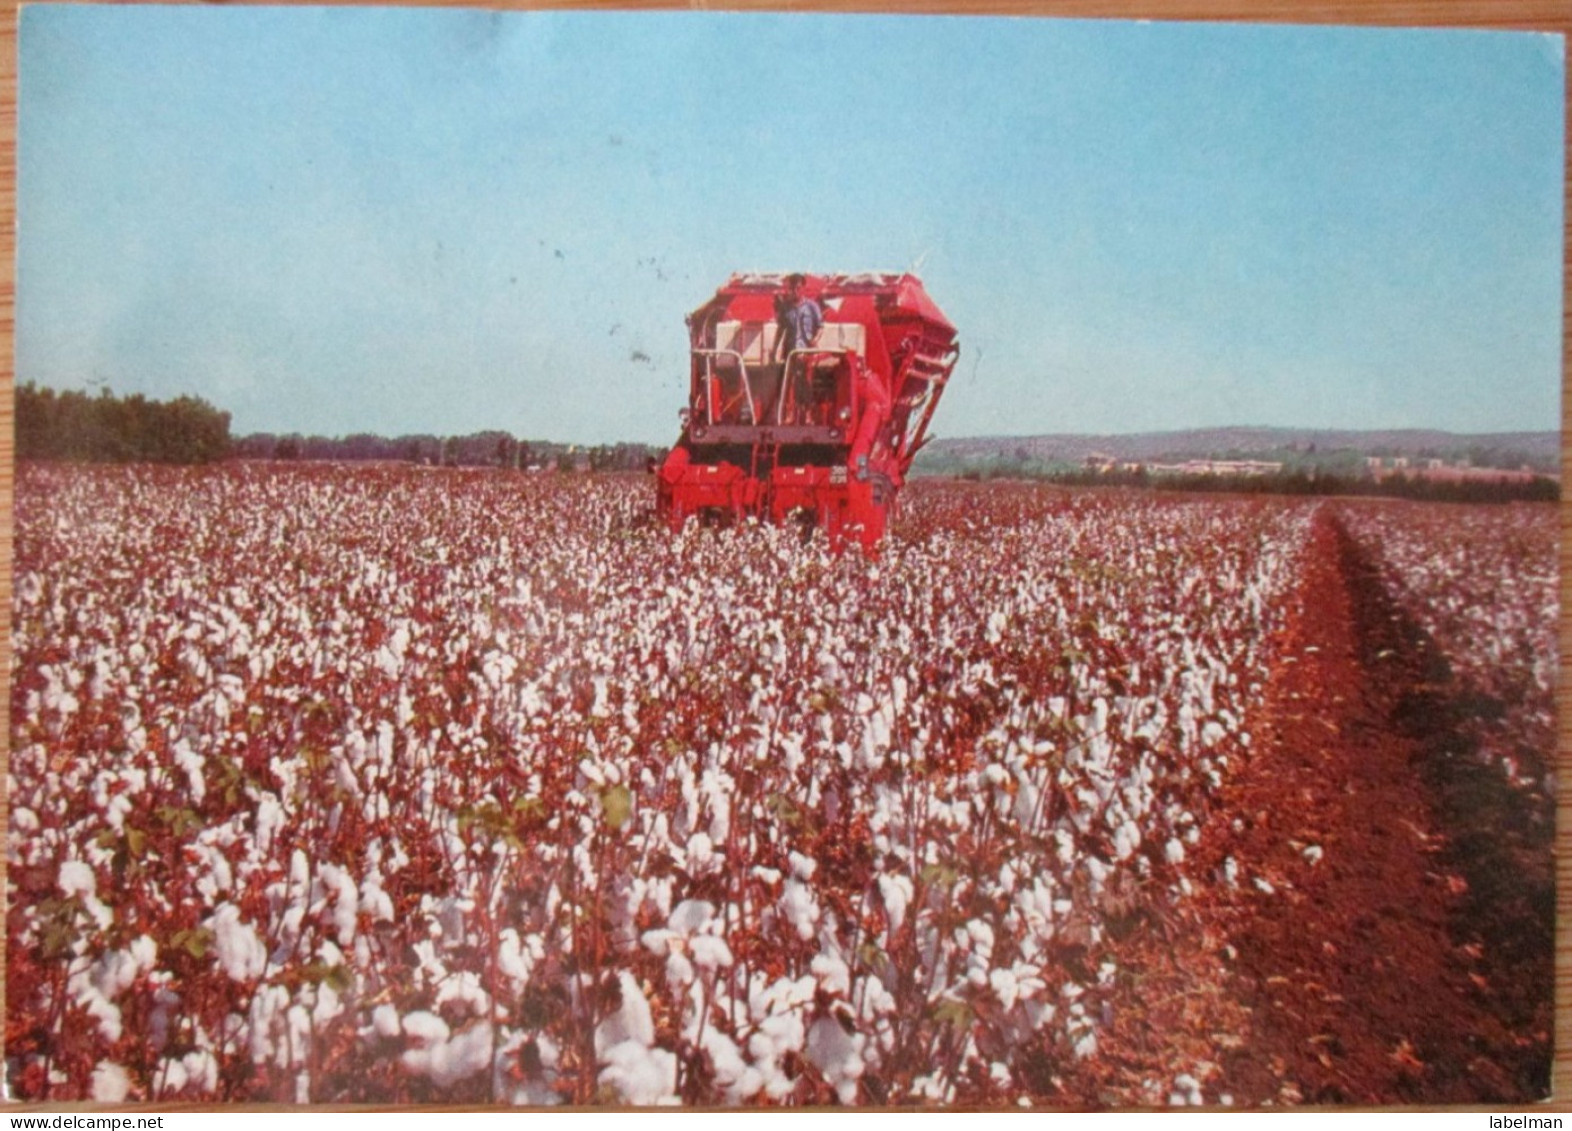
<point>1218,467</point>
<point>1099,462</point>
<point>1382,468</point>
<point>1379,468</point>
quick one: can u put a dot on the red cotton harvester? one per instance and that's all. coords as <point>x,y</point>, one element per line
<point>820,431</point>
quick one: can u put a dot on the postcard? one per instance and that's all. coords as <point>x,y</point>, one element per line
<point>587,558</point>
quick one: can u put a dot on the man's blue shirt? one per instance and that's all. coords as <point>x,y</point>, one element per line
<point>802,323</point>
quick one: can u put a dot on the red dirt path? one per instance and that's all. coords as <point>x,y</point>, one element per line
<point>1413,962</point>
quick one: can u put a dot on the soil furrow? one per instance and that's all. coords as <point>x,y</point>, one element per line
<point>1349,919</point>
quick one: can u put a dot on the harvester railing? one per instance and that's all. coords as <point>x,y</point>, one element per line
<point>709,356</point>
<point>805,352</point>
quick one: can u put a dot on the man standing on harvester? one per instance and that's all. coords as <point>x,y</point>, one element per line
<point>798,316</point>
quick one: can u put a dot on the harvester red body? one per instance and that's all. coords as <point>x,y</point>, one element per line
<point>822,433</point>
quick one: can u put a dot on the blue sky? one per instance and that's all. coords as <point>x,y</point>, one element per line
<point>403,220</point>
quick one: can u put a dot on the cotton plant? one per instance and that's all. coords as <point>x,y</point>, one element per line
<point>473,787</point>
<point>1484,584</point>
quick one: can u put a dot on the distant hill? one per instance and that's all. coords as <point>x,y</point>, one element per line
<point>1294,447</point>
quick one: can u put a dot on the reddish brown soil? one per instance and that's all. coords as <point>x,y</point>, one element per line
<point>1413,962</point>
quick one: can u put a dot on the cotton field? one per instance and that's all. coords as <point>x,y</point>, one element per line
<point>399,785</point>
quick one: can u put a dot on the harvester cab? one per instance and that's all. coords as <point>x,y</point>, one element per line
<point>820,432</point>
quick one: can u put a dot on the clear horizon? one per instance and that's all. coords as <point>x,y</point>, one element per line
<point>403,221</point>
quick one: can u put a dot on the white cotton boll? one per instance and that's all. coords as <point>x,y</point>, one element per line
<point>1064,847</point>
<point>897,893</point>
<point>465,988</point>
<point>832,973</point>
<point>201,1069</point>
<point>270,819</point>
<point>1313,854</point>
<point>679,971</point>
<point>100,1008</point>
<point>266,1015</point>
<point>114,972</point>
<point>662,941</point>
<point>934,1088</point>
<point>1263,886</point>
<point>981,935</point>
<point>119,808</point>
<point>1024,809</point>
<point>174,1076</point>
<point>76,878</point>
<point>1005,987</point>
<point>240,951</point>
<point>345,901</point>
<point>328,1005</point>
<point>1173,851</point>
<point>374,902</point>
<point>642,1076</point>
<point>632,1020</point>
<point>515,958</point>
<point>691,915</point>
<point>191,763</point>
<point>465,1055</point>
<point>876,1000</point>
<point>110,1083</point>
<point>800,907</point>
<point>426,1027</point>
<point>1098,870</point>
<point>298,1044</point>
<point>802,866</point>
<point>777,1035</point>
<point>999,1073</point>
<point>838,1055</point>
<point>733,1075</point>
<point>1187,1091</point>
<point>709,952</point>
<point>299,873</point>
<point>701,854</point>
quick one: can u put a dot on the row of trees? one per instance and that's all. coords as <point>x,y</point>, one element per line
<point>105,428</point>
<point>480,449</point>
<point>109,429</point>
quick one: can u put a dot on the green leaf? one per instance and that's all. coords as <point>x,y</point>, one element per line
<point>335,976</point>
<point>783,810</point>
<point>956,1014</point>
<point>180,821</point>
<point>194,941</point>
<point>616,806</point>
<point>939,875</point>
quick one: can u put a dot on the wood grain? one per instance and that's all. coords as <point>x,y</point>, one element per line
<point>1542,15</point>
